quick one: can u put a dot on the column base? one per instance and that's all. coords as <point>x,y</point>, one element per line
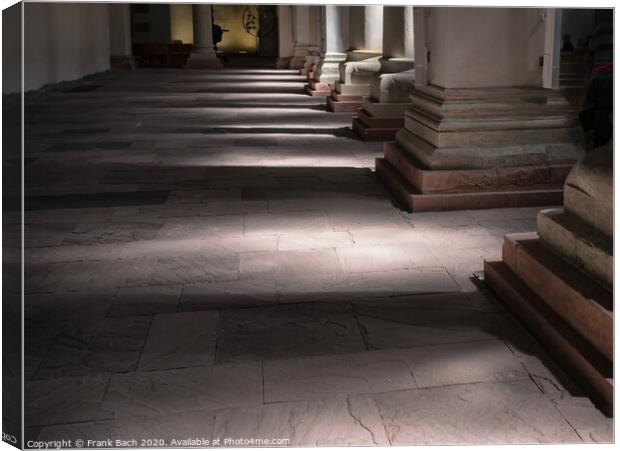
<point>419,189</point>
<point>203,63</point>
<point>377,121</point>
<point>340,103</point>
<point>122,62</point>
<point>319,89</point>
<point>570,314</point>
<point>373,128</point>
<point>284,63</point>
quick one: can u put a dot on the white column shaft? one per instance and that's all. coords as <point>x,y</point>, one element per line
<point>398,32</point>
<point>203,30</point>
<point>120,30</point>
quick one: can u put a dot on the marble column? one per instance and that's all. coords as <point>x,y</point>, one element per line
<point>301,36</point>
<point>561,278</point>
<point>483,133</point>
<point>335,31</point>
<point>285,36</point>
<point>203,54</point>
<point>382,113</point>
<point>120,37</point>
<point>365,50</point>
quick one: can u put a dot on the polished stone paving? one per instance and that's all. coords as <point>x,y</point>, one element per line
<point>209,254</point>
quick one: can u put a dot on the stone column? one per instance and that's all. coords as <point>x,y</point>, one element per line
<point>365,47</point>
<point>285,36</point>
<point>314,40</point>
<point>121,54</point>
<point>482,133</point>
<point>561,278</point>
<point>335,26</point>
<point>203,54</point>
<point>382,112</point>
<point>301,36</point>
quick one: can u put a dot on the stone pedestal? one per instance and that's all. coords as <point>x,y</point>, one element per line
<point>334,26</point>
<point>325,74</point>
<point>560,280</point>
<point>354,80</point>
<point>365,39</point>
<point>382,114</point>
<point>482,148</point>
<point>203,55</point>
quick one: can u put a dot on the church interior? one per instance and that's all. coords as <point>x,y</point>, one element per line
<point>307,225</point>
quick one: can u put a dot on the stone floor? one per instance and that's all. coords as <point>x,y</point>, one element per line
<point>209,255</point>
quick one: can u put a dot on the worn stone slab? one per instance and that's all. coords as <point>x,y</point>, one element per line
<point>473,414</point>
<point>359,259</point>
<point>180,340</point>
<point>182,390</point>
<point>161,431</point>
<point>146,300</point>
<point>236,293</point>
<point>284,264</point>
<point>310,328</point>
<point>65,400</point>
<point>350,421</point>
<point>96,346</point>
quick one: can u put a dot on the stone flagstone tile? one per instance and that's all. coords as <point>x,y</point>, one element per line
<point>66,399</point>
<point>87,276</point>
<point>178,340</point>
<point>320,377</point>
<point>322,288</point>
<point>39,338</point>
<point>67,305</point>
<point>308,240</point>
<point>103,345</point>
<point>195,268</point>
<point>98,233</point>
<point>386,257</point>
<point>410,303</point>
<point>364,219</point>
<point>463,363</point>
<point>384,329</point>
<point>287,330</point>
<point>147,300</point>
<point>409,281</point>
<point>279,265</point>
<point>62,253</point>
<point>201,227</point>
<point>237,293</point>
<point>179,390</point>
<point>343,421</point>
<point>157,431</point>
<point>473,414</point>
<point>286,223</point>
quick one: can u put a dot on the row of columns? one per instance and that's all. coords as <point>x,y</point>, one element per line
<point>203,52</point>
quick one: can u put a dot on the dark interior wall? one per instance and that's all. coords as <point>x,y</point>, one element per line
<point>268,41</point>
<point>578,24</point>
<point>150,23</point>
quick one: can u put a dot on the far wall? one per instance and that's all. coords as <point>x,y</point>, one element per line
<point>64,41</point>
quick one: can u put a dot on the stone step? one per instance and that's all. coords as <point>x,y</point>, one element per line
<point>577,242</point>
<point>571,294</point>
<point>412,200</point>
<point>380,122</point>
<point>317,92</point>
<point>346,97</point>
<point>472,180</point>
<point>368,133</point>
<point>342,106</point>
<point>589,368</point>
